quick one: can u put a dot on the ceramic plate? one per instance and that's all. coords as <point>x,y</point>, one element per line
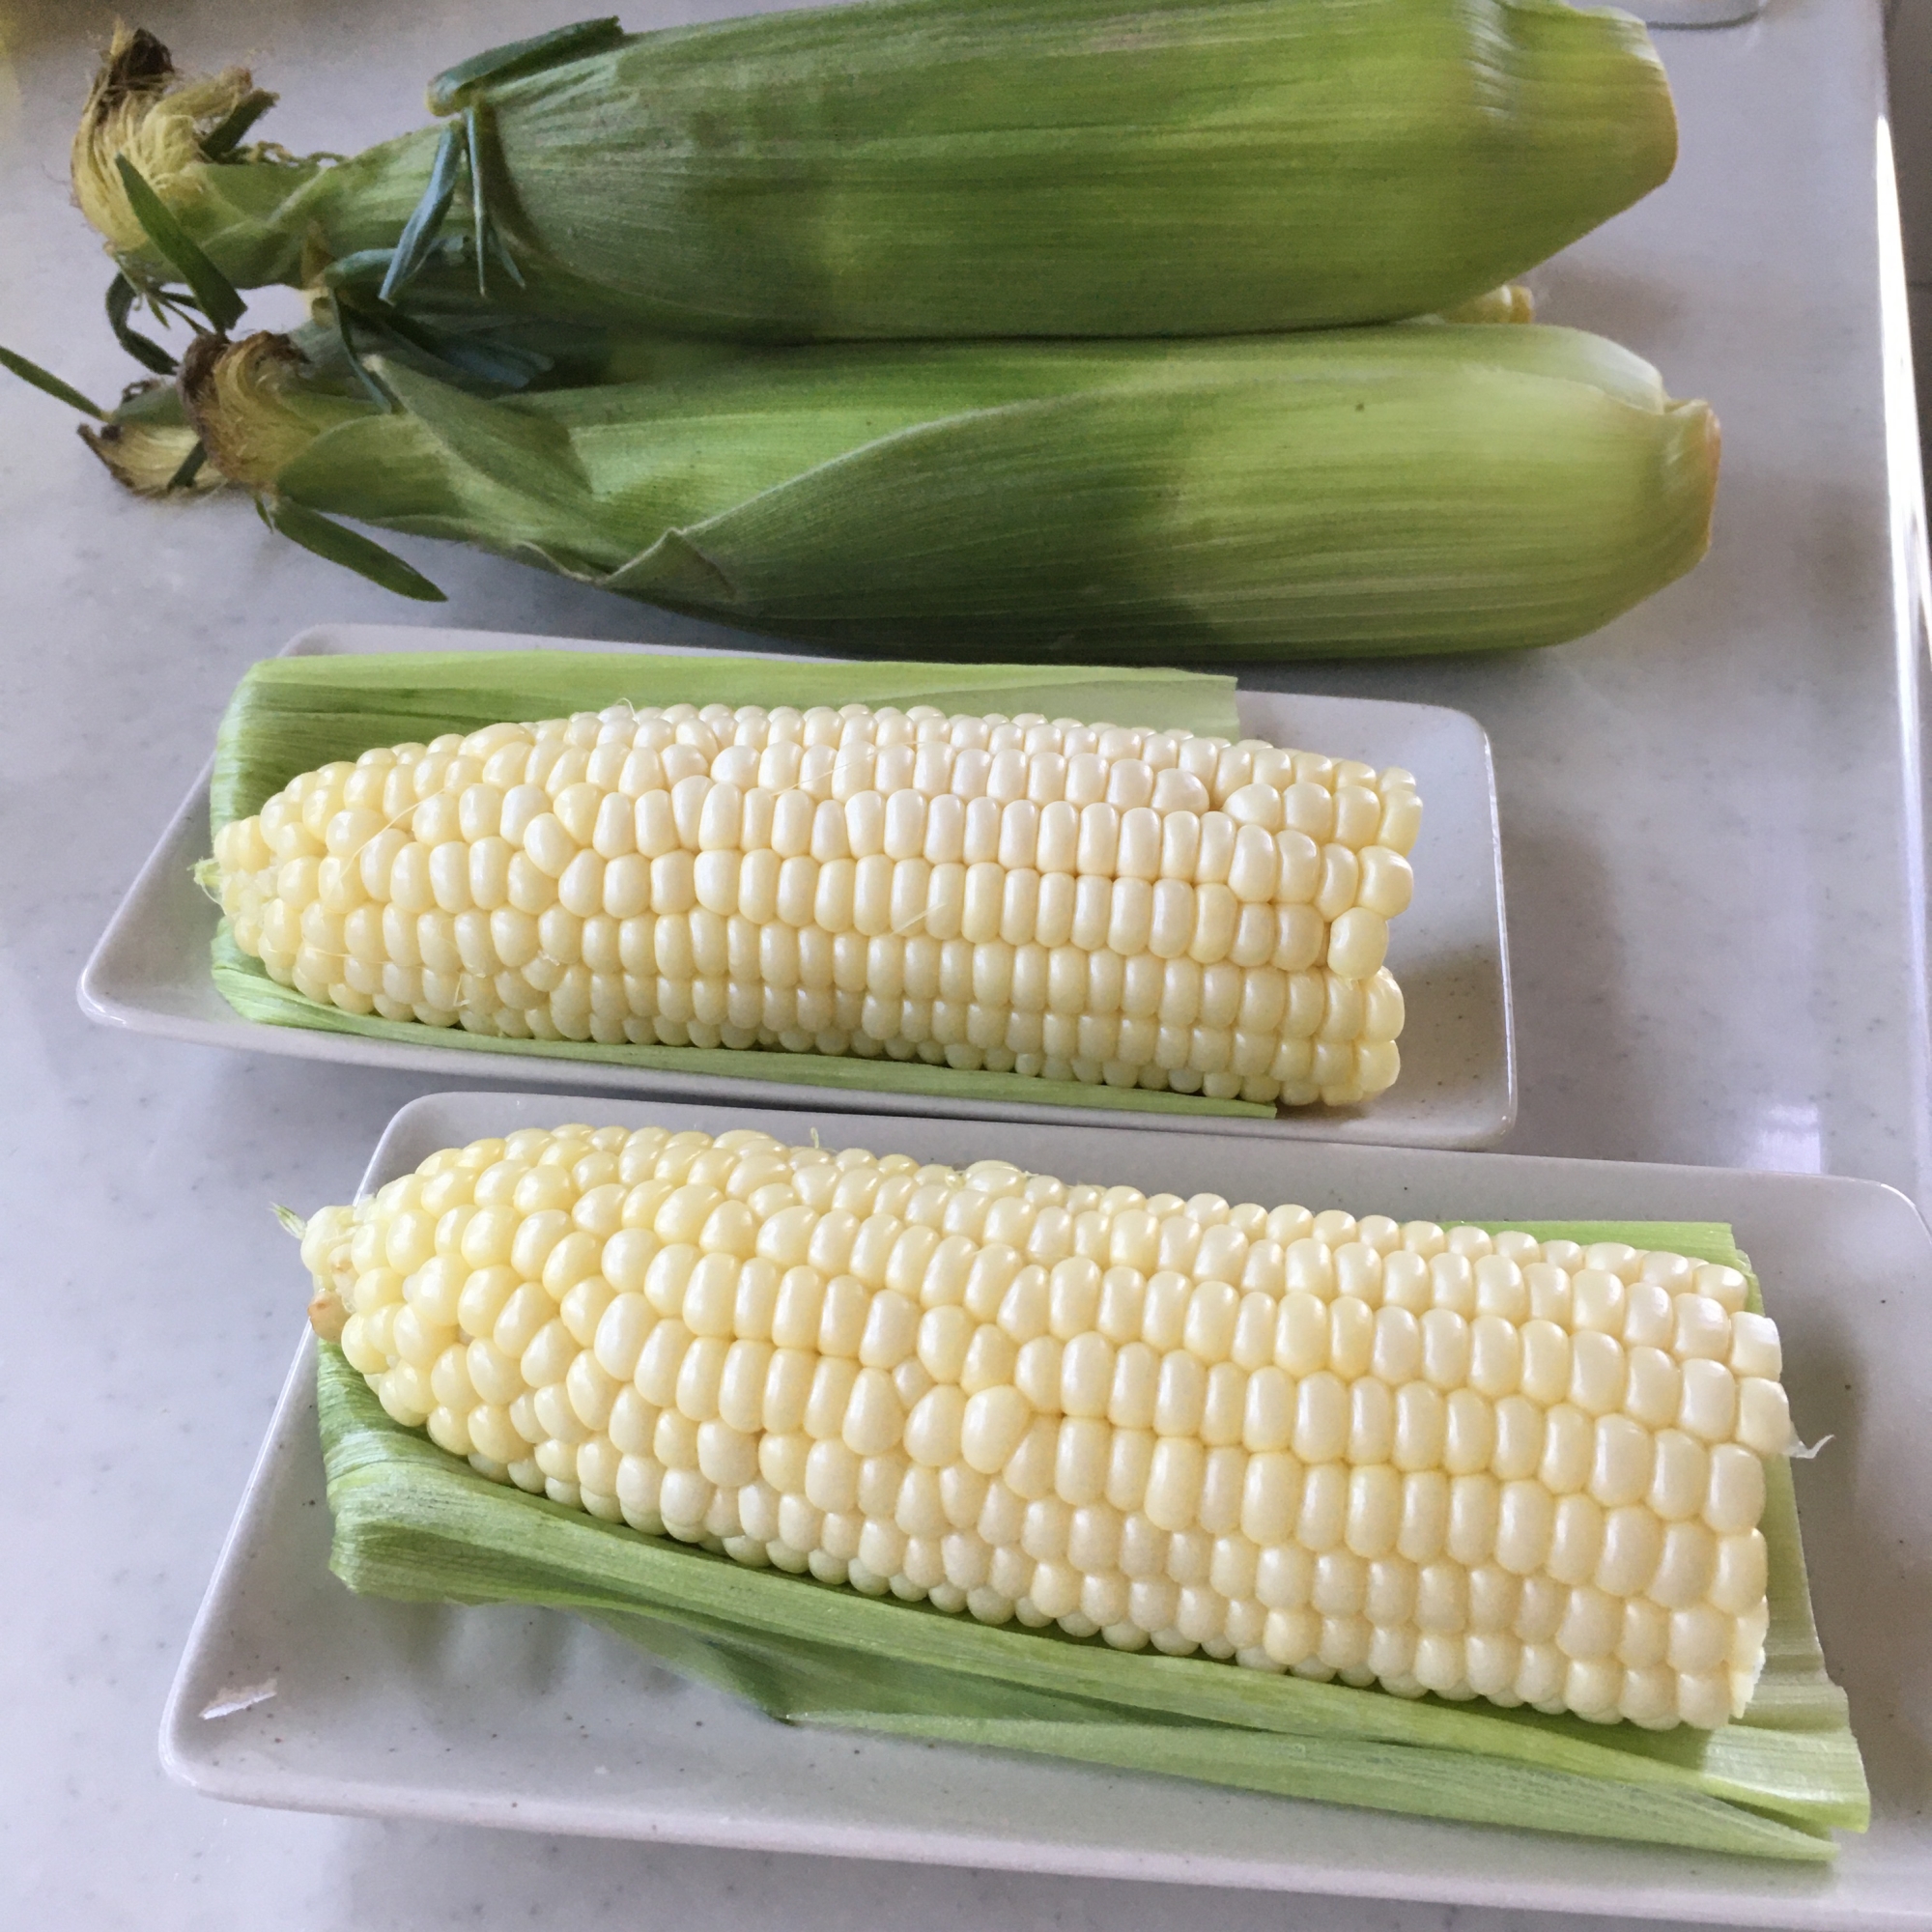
<point>529,1717</point>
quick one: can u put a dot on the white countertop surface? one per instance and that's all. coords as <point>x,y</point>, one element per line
<point>1716,920</point>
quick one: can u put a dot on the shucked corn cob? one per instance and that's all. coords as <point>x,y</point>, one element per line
<point>1056,898</point>
<point>1475,1464</point>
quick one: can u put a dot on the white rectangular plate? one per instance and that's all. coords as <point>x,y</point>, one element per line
<point>1696,13</point>
<point>531,1718</point>
<point>150,971</point>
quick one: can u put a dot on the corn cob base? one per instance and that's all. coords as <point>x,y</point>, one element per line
<point>1434,1460</point>
<point>1073,902</point>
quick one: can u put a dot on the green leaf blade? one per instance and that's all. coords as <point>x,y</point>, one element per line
<point>419,238</point>
<point>455,87</point>
<point>145,351</point>
<point>348,547</point>
<point>190,468</point>
<point>234,127</point>
<point>212,290</point>
<point>48,384</point>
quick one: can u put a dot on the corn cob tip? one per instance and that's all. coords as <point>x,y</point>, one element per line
<point>1514,302</point>
<point>328,1314</point>
<point>1697,456</point>
<point>139,106</point>
<point>143,460</point>
<point>325,1252</point>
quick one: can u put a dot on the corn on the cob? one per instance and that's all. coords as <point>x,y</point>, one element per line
<point>1424,487</point>
<point>1438,1460</point>
<point>921,169</point>
<point>1074,902</point>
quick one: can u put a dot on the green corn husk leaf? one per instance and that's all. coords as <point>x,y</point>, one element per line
<point>49,384</point>
<point>215,295</point>
<point>1422,486</point>
<point>452,334</point>
<point>414,1522</point>
<point>922,169</point>
<point>122,296</point>
<point>291,715</point>
<point>442,329</point>
<point>348,547</point>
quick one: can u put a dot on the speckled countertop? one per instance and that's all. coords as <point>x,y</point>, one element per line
<point>1713,880</point>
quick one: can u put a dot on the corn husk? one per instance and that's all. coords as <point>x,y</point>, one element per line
<point>254,209</point>
<point>145,440</point>
<point>415,1523</point>
<point>924,168</point>
<point>149,445</point>
<point>291,715</point>
<point>1421,488</point>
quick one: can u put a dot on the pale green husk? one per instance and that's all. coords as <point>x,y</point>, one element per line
<point>146,440</point>
<point>1425,487</point>
<point>415,1523</point>
<point>920,168</point>
<point>292,714</point>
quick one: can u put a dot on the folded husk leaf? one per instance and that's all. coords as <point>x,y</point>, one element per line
<point>1419,488</point>
<point>917,168</point>
<point>291,715</point>
<point>147,439</point>
<point>414,1522</point>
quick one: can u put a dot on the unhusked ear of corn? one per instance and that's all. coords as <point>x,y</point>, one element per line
<point>1485,1465</point>
<point>1422,486</point>
<point>1022,894</point>
<point>925,168</point>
